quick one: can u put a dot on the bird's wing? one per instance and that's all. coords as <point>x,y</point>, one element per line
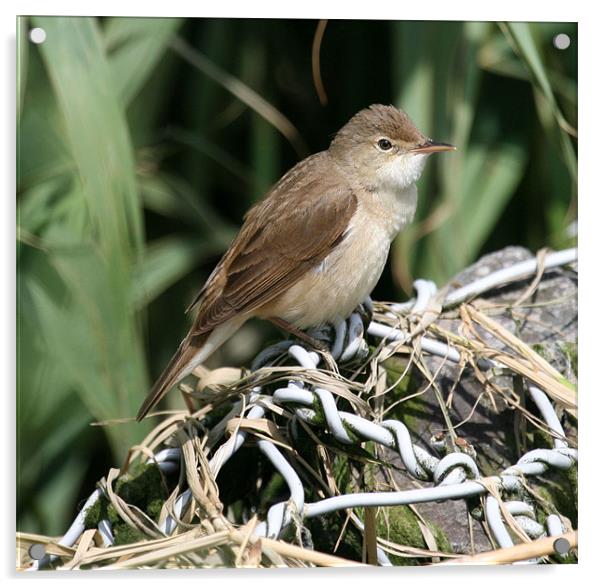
<point>292,230</point>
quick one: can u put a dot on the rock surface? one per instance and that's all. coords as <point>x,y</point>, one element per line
<point>546,320</point>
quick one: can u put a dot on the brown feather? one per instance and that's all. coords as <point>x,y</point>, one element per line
<point>291,230</point>
<point>171,374</point>
<point>315,246</point>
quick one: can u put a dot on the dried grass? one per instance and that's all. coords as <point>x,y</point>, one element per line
<point>208,536</point>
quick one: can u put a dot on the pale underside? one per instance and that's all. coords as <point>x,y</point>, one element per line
<point>314,248</point>
<point>311,250</point>
<point>329,292</point>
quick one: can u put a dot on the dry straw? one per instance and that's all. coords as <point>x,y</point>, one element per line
<point>208,535</point>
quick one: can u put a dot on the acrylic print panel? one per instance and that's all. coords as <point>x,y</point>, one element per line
<point>433,422</point>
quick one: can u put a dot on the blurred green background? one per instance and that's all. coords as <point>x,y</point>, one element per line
<point>142,142</point>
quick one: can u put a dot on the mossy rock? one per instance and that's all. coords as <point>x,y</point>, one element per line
<point>143,490</point>
<point>399,524</point>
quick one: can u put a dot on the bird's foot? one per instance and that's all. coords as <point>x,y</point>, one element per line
<point>303,336</point>
<point>345,339</point>
<point>366,312</point>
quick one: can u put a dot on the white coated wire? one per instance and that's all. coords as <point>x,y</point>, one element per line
<point>455,475</point>
<point>508,274</point>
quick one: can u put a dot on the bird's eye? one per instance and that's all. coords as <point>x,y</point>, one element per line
<point>384,144</point>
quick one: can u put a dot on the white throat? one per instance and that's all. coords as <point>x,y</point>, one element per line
<point>396,195</point>
<point>401,172</point>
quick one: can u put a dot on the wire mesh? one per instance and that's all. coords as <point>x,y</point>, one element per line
<point>304,387</point>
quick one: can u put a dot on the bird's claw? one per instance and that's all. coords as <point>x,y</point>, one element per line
<point>366,312</point>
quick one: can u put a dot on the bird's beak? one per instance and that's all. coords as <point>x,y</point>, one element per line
<point>432,147</point>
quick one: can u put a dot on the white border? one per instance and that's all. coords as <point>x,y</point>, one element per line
<point>590,99</point>
<point>432,10</point>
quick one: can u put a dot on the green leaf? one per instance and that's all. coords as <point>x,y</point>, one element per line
<point>412,71</point>
<point>49,507</point>
<point>97,132</point>
<point>243,92</point>
<point>85,337</point>
<point>497,56</point>
<point>135,46</point>
<point>42,150</point>
<point>36,205</point>
<point>165,262</point>
<point>173,197</point>
<point>22,59</point>
<point>214,152</point>
<point>491,177</point>
<point>264,138</point>
<point>93,333</point>
<point>438,82</point>
<point>522,40</point>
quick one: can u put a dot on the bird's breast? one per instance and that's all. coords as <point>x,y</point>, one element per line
<point>336,286</point>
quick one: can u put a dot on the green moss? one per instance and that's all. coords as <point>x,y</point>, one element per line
<point>112,514</point>
<point>143,490</point>
<point>560,491</point>
<point>573,479</point>
<point>443,542</point>
<point>540,349</point>
<point>488,468</point>
<point>154,508</point>
<point>399,524</point>
<point>396,367</point>
<point>96,513</point>
<point>351,433</point>
<point>569,348</point>
<point>342,474</point>
<point>541,439</point>
<point>411,410</point>
<point>370,470</point>
<point>319,419</point>
<point>571,351</point>
<point>571,559</point>
<point>125,534</point>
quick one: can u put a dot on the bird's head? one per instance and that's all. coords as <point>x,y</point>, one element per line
<point>383,149</point>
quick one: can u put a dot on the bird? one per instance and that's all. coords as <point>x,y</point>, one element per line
<point>313,248</point>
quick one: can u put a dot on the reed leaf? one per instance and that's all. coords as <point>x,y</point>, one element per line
<point>134,47</point>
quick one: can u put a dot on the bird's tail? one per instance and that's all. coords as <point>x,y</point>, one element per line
<point>192,351</point>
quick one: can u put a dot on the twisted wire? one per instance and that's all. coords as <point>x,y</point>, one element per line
<point>456,475</point>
